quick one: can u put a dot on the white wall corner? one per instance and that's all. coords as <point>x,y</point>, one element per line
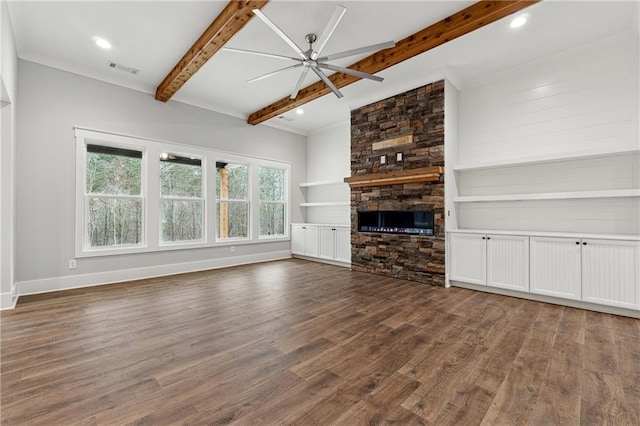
<point>453,77</point>
<point>110,277</point>
<point>339,124</point>
<point>8,300</point>
<point>282,126</point>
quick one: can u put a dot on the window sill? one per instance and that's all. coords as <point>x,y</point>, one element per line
<point>177,246</point>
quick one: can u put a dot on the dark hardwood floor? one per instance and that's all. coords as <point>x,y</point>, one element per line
<point>297,342</point>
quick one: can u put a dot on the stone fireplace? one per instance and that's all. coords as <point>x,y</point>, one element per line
<point>397,156</point>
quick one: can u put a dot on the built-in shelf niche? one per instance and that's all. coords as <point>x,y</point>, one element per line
<point>614,193</point>
<point>321,183</point>
<point>543,159</point>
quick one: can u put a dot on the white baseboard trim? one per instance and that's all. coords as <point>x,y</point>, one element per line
<point>550,299</point>
<point>320,260</point>
<point>8,300</point>
<point>48,285</point>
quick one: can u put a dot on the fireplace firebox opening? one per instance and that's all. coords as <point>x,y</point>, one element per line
<point>396,222</point>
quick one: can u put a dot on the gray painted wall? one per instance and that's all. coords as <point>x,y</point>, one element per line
<point>51,102</point>
<point>8,94</point>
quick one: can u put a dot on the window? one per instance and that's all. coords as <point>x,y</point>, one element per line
<point>272,201</point>
<point>181,201</point>
<point>136,195</point>
<point>232,196</point>
<point>113,198</point>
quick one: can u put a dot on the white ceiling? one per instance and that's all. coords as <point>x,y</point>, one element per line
<point>153,35</point>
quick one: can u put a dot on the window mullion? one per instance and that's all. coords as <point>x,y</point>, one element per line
<point>153,196</point>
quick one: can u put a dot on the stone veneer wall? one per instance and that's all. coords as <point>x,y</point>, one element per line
<point>419,112</point>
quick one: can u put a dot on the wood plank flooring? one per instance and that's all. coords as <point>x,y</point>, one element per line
<point>297,342</point>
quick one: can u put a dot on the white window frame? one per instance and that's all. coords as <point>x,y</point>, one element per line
<point>202,198</point>
<point>240,162</point>
<point>150,189</point>
<point>82,247</point>
<point>285,201</point>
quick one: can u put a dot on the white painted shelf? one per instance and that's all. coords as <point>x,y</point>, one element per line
<point>322,183</point>
<point>325,204</point>
<point>542,159</point>
<point>614,193</point>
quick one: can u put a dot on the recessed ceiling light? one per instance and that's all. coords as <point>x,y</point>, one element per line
<point>299,111</point>
<point>102,43</point>
<point>519,21</point>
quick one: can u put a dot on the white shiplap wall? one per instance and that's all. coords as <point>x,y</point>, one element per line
<point>329,159</point>
<point>591,174</point>
<point>582,101</point>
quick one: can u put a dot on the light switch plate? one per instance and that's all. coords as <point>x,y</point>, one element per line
<point>383,159</point>
<point>398,156</point>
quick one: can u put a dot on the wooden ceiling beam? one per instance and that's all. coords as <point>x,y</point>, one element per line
<point>467,20</point>
<point>233,17</point>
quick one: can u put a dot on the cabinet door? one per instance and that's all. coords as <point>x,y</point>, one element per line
<point>611,273</point>
<point>343,244</point>
<point>312,243</point>
<point>555,267</point>
<point>508,262</point>
<point>468,258</point>
<point>327,248</point>
<point>298,237</point>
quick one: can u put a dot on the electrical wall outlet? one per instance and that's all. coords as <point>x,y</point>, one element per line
<point>72,264</point>
<point>383,159</point>
<point>232,249</point>
<point>398,156</point>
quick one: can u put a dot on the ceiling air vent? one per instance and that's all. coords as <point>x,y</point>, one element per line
<point>282,117</point>
<point>124,68</point>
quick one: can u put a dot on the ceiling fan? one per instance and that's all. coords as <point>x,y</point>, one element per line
<point>311,59</point>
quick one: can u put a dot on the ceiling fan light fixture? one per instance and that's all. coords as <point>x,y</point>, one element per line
<point>310,59</point>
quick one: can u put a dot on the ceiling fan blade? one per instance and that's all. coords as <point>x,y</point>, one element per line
<point>357,51</point>
<point>253,52</point>
<point>328,30</point>
<point>296,89</point>
<point>328,82</point>
<point>253,80</point>
<point>350,72</point>
<point>280,33</point>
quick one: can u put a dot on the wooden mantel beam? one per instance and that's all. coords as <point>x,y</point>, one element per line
<point>233,17</point>
<point>467,20</point>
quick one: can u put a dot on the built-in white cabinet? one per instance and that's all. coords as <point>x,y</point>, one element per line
<point>335,243</point>
<point>468,258</point>
<point>611,272</point>
<point>508,262</point>
<point>324,242</point>
<point>606,272</point>
<point>555,267</point>
<point>327,249</point>
<point>343,244</point>
<point>304,240</point>
<point>602,271</point>
<point>493,260</point>
<point>298,239</point>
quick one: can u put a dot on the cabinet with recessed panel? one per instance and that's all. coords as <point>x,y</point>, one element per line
<point>490,260</point>
<point>594,269</point>
<point>326,243</point>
